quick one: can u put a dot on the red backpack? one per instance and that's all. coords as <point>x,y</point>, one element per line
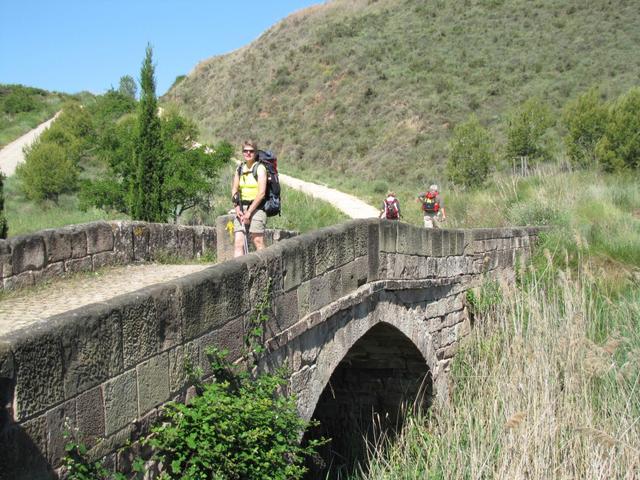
<point>391,209</point>
<point>430,203</point>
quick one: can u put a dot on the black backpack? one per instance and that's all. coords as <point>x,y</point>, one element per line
<point>271,202</point>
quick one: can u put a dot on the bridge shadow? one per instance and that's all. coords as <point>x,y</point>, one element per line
<point>380,380</point>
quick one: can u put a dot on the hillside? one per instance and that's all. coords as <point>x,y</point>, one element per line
<point>23,108</point>
<point>370,87</point>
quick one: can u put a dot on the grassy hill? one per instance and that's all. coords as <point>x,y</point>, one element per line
<point>23,108</point>
<point>372,88</point>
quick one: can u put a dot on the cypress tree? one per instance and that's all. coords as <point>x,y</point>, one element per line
<point>4,228</point>
<point>147,201</point>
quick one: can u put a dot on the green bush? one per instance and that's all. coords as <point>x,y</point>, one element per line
<point>619,148</point>
<point>47,172</point>
<point>469,154</point>
<point>585,119</point>
<point>526,131</point>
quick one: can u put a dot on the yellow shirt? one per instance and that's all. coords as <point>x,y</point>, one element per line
<point>248,185</point>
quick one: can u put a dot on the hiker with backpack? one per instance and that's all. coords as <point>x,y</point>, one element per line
<point>390,207</point>
<point>248,192</point>
<point>432,207</point>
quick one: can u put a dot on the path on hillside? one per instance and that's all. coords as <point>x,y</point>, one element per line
<point>12,154</point>
<point>29,307</point>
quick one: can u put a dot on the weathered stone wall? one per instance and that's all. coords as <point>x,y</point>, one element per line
<point>107,368</point>
<point>28,259</point>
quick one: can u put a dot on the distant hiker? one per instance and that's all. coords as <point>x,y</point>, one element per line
<point>432,207</point>
<point>248,192</point>
<point>390,207</point>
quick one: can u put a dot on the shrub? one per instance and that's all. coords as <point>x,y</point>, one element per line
<point>469,154</point>
<point>619,148</point>
<point>47,172</point>
<point>526,130</point>
<point>585,119</point>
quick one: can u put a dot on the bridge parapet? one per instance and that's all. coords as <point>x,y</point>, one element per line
<point>107,368</point>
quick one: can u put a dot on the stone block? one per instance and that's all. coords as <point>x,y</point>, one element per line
<point>58,244</point>
<point>91,340</point>
<point>78,241</point>
<point>59,420</point>
<point>6,267</point>
<point>445,242</point>
<point>105,259</point>
<point>303,293</point>
<point>140,233</point>
<point>152,321</point>
<point>90,416</point>
<point>123,240</point>
<point>120,401</point>
<point>23,451</point>
<point>27,253</point>
<point>325,250</point>
<point>180,359</point>
<point>224,244</point>
<point>76,265</point>
<point>286,313</point>
<point>344,245</point>
<point>99,237</point>
<point>186,242</point>
<point>229,337</point>
<point>24,279</point>
<point>153,383</point>
<point>39,369</point>
<point>388,236</point>
<point>157,245</point>
<point>436,242</point>
<point>6,360</point>
<point>320,292</point>
<point>53,270</point>
<point>373,252</point>
<point>296,265</point>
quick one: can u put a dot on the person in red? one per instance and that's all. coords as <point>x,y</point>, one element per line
<point>432,207</point>
<point>390,207</point>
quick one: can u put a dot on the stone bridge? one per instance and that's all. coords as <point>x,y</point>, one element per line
<point>365,315</point>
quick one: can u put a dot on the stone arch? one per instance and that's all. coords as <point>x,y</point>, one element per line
<point>349,327</point>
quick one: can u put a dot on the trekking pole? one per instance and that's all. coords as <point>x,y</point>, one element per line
<point>246,242</point>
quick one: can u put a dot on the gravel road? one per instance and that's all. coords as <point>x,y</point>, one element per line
<point>12,155</point>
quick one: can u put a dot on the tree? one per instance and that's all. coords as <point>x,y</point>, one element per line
<point>619,147</point>
<point>128,87</point>
<point>585,119</point>
<point>469,154</point>
<point>190,169</point>
<point>4,228</point>
<point>47,171</point>
<point>526,130</point>
<point>149,155</point>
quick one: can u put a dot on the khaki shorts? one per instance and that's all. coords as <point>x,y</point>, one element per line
<point>430,221</point>
<point>258,222</point>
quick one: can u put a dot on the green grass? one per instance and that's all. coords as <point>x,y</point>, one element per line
<point>300,212</point>
<point>45,105</point>
<point>371,90</point>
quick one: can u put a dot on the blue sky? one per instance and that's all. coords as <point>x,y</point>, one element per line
<point>70,46</point>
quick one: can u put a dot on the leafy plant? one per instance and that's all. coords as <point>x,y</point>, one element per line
<point>526,130</point>
<point>47,172</point>
<point>585,119</point>
<point>469,154</point>
<point>619,147</point>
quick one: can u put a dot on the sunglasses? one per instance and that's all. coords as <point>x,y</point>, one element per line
<point>248,151</point>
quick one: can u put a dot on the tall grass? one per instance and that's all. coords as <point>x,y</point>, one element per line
<point>546,386</point>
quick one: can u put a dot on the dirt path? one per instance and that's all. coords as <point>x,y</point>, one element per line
<point>353,207</point>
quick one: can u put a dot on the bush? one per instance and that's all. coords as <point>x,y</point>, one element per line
<point>47,172</point>
<point>585,119</point>
<point>526,131</point>
<point>619,148</point>
<point>469,154</point>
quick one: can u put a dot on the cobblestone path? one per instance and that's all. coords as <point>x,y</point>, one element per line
<point>30,306</point>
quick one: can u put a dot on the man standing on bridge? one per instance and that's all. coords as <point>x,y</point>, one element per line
<point>248,193</point>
